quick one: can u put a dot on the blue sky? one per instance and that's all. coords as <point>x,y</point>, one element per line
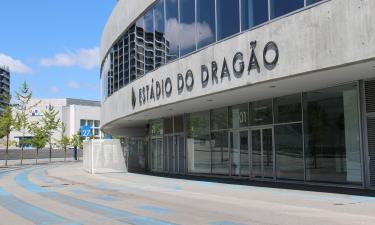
<point>54,45</point>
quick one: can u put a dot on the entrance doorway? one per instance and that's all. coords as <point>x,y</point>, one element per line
<point>175,153</point>
<point>262,153</point>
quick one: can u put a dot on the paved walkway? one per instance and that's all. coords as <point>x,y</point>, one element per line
<point>65,194</point>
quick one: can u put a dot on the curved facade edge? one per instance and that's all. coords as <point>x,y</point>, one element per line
<point>305,41</point>
<point>124,14</point>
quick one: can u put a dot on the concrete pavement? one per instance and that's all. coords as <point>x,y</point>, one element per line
<point>65,194</point>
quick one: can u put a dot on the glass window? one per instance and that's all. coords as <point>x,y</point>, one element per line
<point>90,123</point>
<point>206,27</point>
<point>332,136</point>
<point>187,27</point>
<point>97,123</point>
<point>157,127</point>
<point>140,47</point>
<point>254,12</point>
<point>239,116</point>
<point>149,41</point>
<point>96,132</point>
<point>136,155</point>
<point>168,125</point>
<point>198,142</point>
<point>178,124</point>
<point>310,2</point>
<point>279,7</point>
<point>289,152</point>
<point>220,153</point>
<point>159,34</point>
<point>228,21</point>
<point>261,112</point>
<point>172,29</point>
<point>156,154</point>
<point>83,122</point>
<point>288,109</point>
<point>219,119</point>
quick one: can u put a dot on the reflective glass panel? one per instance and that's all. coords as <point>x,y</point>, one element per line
<point>244,150</point>
<point>289,152</point>
<point>332,136</point>
<point>157,127</point>
<point>234,141</point>
<point>140,47</point>
<point>149,41</point>
<point>168,125</point>
<point>206,27</point>
<point>228,21</point>
<point>172,29</point>
<point>239,116</point>
<point>198,142</point>
<point>282,7</point>
<point>136,155</point>
<point>178,124</point>
<point>256,153</point>
<point>288,109</point>
<point>187,27</point>
<point>159,33</point>
<point>220,153</point>
<point>219,119</point>
<point>254,12</point>
<point>309,2</point>
<point>267,144</point>
<point>261,112</point>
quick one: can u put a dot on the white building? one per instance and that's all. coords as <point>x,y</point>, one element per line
<point>73,112</point>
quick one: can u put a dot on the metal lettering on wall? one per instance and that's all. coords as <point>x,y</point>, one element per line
<point>185,81</point>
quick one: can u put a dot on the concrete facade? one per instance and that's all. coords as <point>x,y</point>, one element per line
<point>307,42</point>
<point>315,49</point>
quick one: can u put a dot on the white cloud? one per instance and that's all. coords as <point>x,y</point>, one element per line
<point>185,33</point>
<point>76,85</point>
<point>54,89</point>
<point>84,58</point>
<point>73,84</point>
<point>14,65</point>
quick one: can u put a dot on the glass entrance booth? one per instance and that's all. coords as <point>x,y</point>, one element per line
<point>312,137</point>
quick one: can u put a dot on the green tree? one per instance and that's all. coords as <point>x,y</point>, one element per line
<point>51,123</point>
<point>64,140</point>
<point>76,141</point>
<point>40,137</point>
<point>22,106</point>
<point>6,122</point>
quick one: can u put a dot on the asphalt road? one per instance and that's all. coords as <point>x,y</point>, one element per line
<point>65,194</point>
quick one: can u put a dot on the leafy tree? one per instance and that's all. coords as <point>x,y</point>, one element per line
<point>6,123</point>
<point>22,106</point>
<point>76,141</point>
<point>40,137</point>
<point>64,140</point>
<point>51,123</point>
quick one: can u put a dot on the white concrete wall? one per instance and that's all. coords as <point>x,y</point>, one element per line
<point>78,112</point>
<point>330,35</point>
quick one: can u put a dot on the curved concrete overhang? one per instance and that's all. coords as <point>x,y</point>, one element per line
<point>323,46</point>
<point>123,15</point>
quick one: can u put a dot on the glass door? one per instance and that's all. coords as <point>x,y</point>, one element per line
<point>239,153</point>
<point>235,158</point>
<point>262,153</point>
<point>180,146</point>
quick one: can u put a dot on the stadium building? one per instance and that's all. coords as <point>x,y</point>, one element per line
<point>272,90</point>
